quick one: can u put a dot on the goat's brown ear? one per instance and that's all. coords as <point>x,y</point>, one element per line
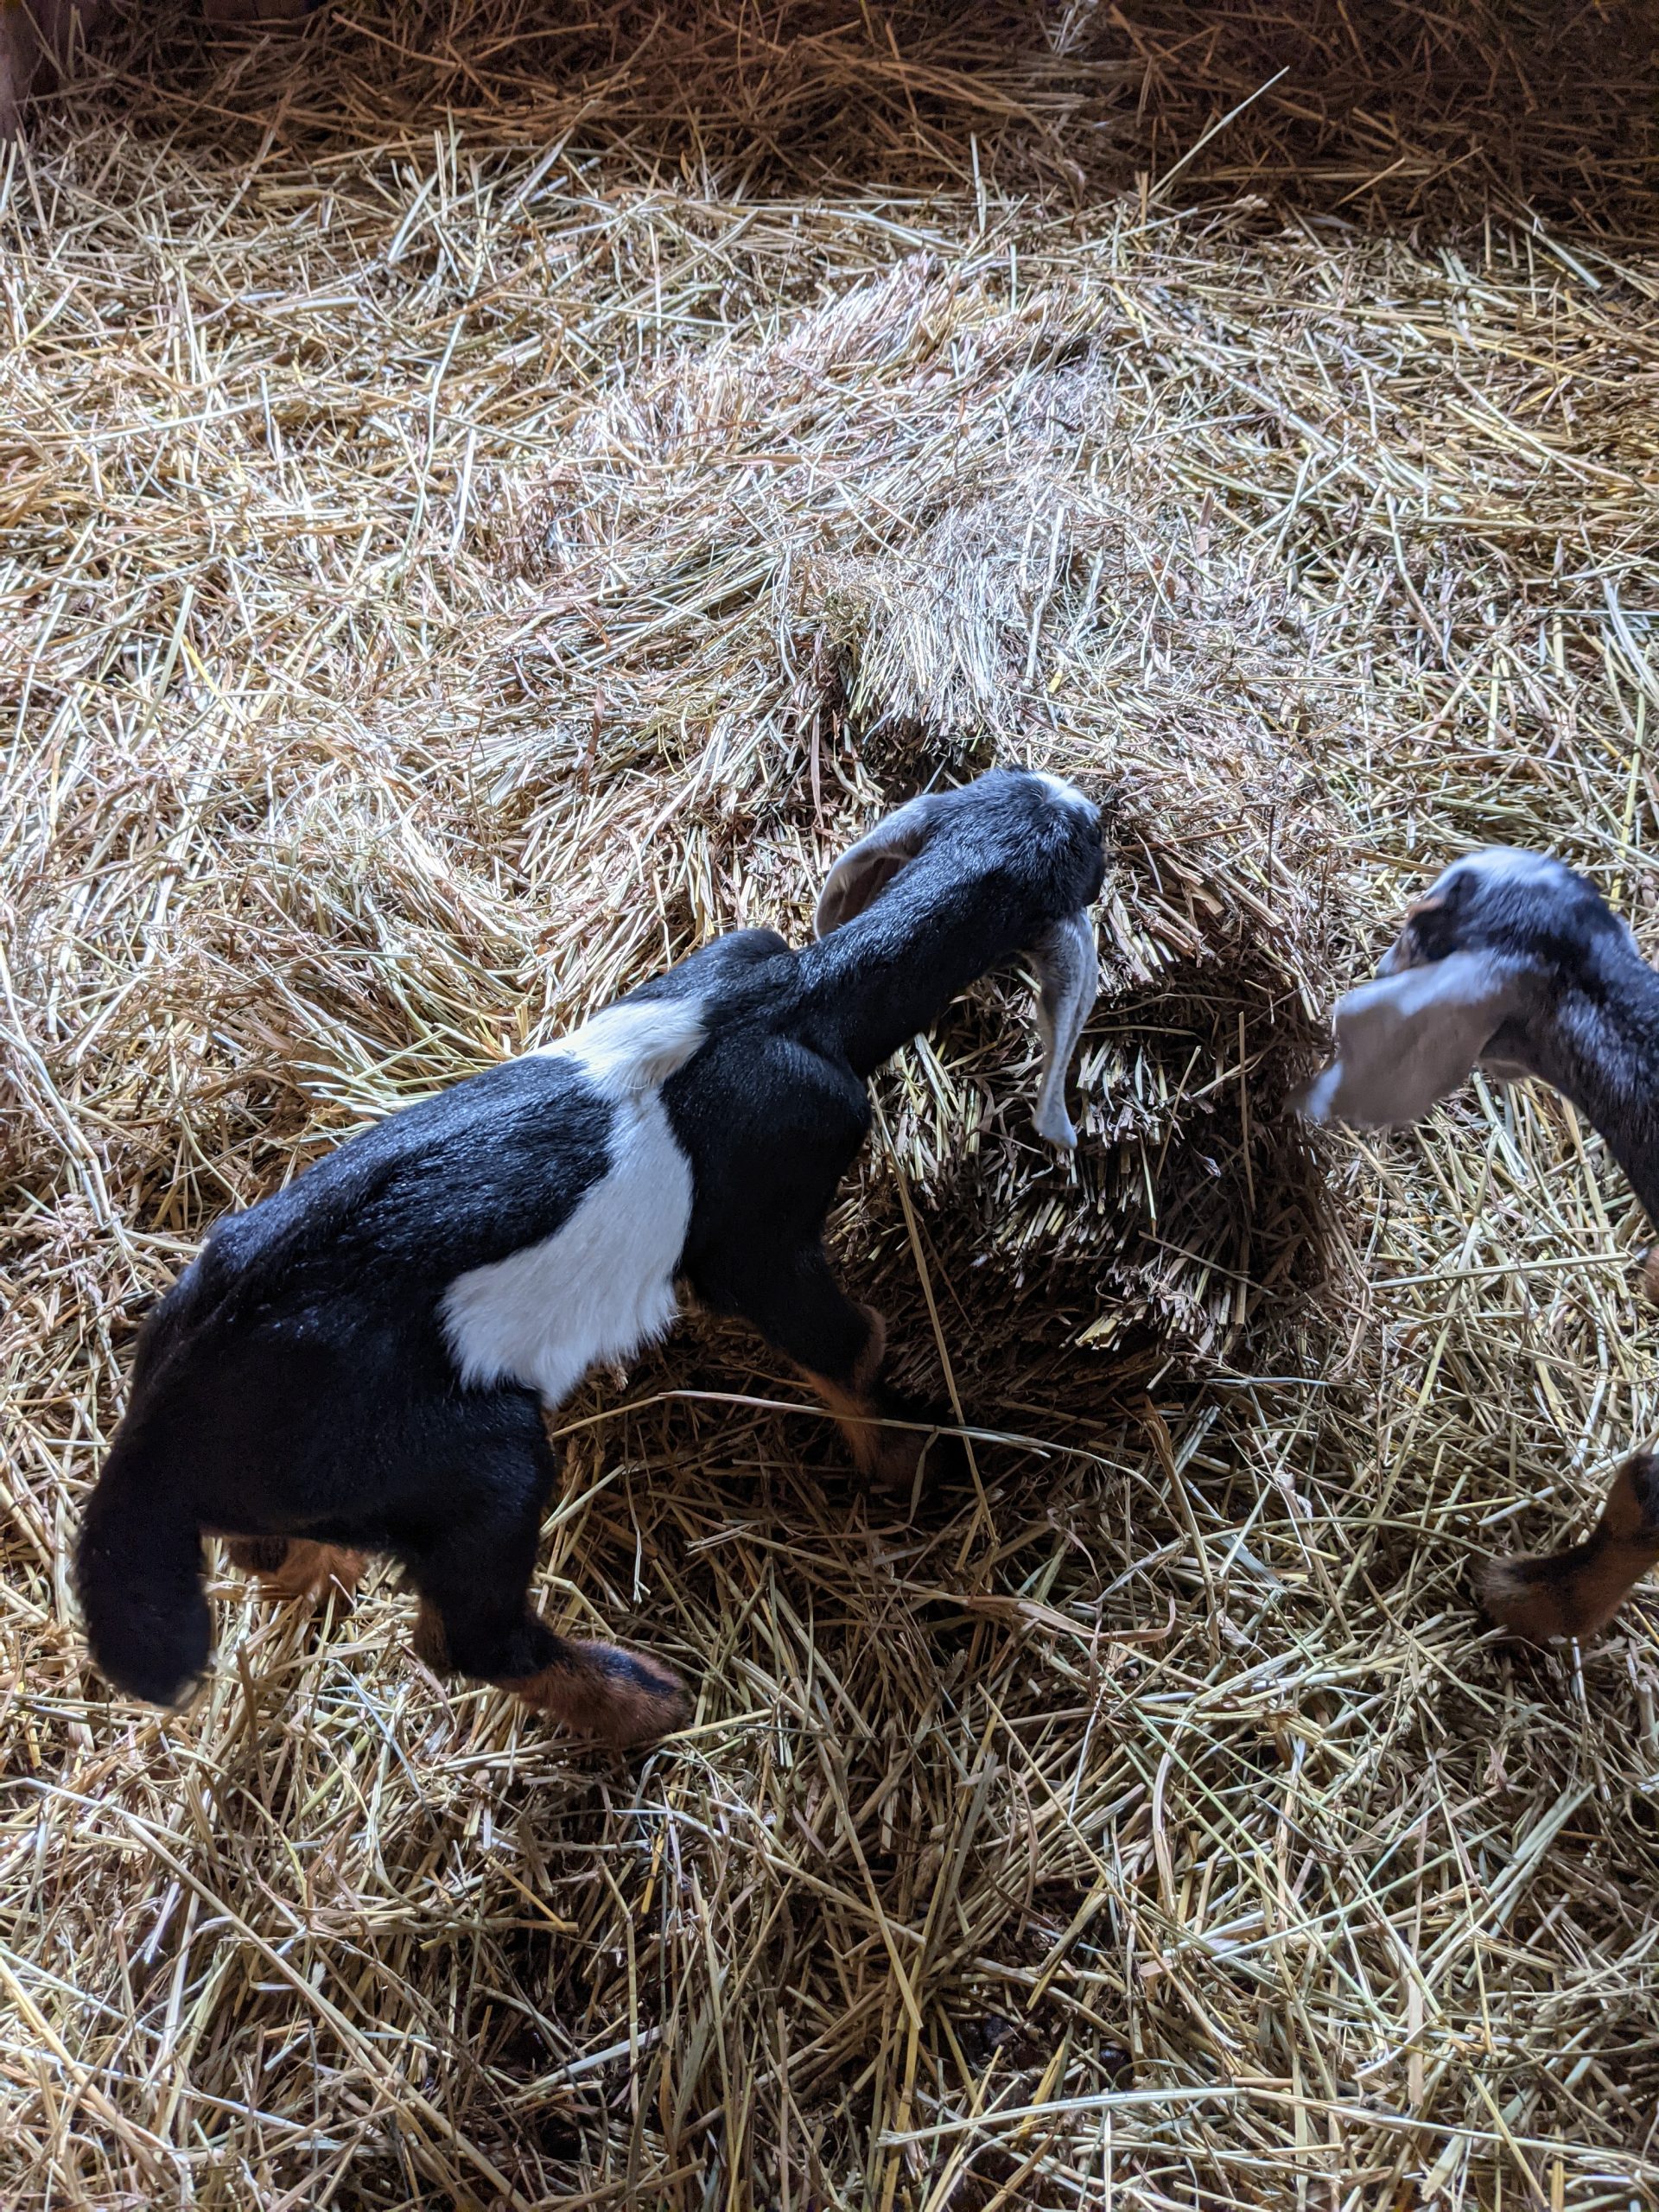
<point>1407,949</point>
<point>865,869</point>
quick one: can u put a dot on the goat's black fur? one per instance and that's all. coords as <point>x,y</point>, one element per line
<point>301,1383</point>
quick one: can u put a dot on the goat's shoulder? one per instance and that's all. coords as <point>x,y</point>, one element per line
<point>770,1125</point>
<point>761,1074</point>
<point>762,1068</point>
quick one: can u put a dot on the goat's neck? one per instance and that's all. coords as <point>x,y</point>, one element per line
<point>882,977</point>
<point>1600,1046</point>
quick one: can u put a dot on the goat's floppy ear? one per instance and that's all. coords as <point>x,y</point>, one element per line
<point>867,868</point>
<point>1407,1039</point>
<point>1068,971</point>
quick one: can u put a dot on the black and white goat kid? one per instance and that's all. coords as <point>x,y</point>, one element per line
<point>360,1362</point>
<point>1513,964</point>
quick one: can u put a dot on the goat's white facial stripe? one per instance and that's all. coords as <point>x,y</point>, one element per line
<point>1510,861</point>
<point>602,1286</point>
<point>1496,863</point>
<point>1067,793</point>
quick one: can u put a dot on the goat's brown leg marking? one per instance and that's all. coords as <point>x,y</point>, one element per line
<point>431,1645</point>
<point>294,1567</point>
<point>473,1576</point>
<point>597,1689</point>
<point>594,1690</point>
<point>1577,1591</point>
<point>884,1455</point>
<point>790,1293</point>
<point>851,1399</point>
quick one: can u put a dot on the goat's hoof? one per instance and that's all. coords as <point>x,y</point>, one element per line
<point>943,1460</point>
<point>893,1469</point>
<point>645,1700</point>
<point>596,1689</point>
<point>294,1568</point>
<point>937,1453</point>
<point>1529,1596</point>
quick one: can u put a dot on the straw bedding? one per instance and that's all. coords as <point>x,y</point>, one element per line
<point>491,499</point>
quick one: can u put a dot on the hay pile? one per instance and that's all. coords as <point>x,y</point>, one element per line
<point>768,589</point>
<point>454,571</point>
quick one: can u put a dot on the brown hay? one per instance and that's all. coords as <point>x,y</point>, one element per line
<point>447,582</point>
<point>1395,107</point>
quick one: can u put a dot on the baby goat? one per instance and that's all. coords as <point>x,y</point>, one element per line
<point>360,1362</point>
<point>1513,963</point>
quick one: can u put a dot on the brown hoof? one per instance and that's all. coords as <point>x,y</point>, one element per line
<point>893,1464</point>
<point>294,1568</point>
<point>1526,1597</point>
<point>1576,1592</point>
<point>1552,1596</point>
<point>598,1690</point>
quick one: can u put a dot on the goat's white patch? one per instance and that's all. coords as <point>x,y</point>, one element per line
<point>634,1047</point>
<point>1069,792</point>
<point>602,1286</point>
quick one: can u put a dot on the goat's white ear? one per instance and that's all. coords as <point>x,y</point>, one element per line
<point>1407,1039</point>
<point>867,868</point>
<point>1068,971</point>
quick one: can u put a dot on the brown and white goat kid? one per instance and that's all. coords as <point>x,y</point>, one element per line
<point>1513,963</point>
<point>361,1362</point>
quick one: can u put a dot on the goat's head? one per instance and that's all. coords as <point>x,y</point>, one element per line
<point>1528,909</point>
<point>1483,955</point>
<point>1020,856</point>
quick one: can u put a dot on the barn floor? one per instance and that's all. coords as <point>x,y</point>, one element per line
<point>489,496</point>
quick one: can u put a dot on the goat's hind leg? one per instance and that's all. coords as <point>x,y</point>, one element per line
<point>1577,1591</point>
<point>474,1578</point>
<point>295,1568</point>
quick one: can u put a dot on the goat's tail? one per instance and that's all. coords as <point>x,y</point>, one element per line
<point>138,1572</point>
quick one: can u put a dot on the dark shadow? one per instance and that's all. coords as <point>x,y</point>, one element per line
<point>1376,109</point>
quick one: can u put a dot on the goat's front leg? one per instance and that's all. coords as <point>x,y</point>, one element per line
<point>1576,1592</point>
<point>839,1345</point>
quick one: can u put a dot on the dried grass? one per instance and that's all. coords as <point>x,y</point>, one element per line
<point>456,562</point>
